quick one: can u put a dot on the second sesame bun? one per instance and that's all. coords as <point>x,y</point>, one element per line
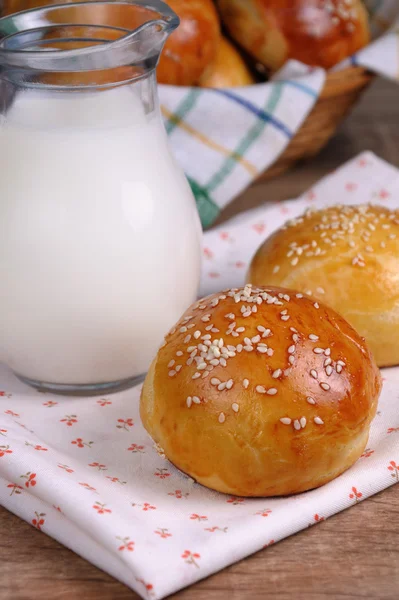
<point>261,392</point>
<point>348,257</point>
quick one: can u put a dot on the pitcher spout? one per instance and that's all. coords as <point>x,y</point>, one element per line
<point>86,37</point>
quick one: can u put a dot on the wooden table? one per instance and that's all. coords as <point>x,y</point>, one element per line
<point>353,555</point>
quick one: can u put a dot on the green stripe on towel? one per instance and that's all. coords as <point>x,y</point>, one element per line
<point>246,142</point>
<point>185,106</point>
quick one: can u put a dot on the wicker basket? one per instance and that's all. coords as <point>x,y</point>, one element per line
<point>341,91</point>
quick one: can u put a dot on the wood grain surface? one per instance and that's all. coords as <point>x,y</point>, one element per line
<point>354,555</point>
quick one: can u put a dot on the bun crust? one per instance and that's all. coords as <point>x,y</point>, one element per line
<point>273,31</point>
<point>227,70</point>
<point>260,392</point>
<point>348,257</point>
<point>194,44</point>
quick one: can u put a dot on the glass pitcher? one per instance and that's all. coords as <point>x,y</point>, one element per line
<point>99,233</point>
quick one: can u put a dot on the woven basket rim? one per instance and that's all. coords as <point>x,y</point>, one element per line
<point>346,80</point>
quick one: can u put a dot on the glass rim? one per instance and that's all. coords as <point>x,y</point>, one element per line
<point>165,23</point>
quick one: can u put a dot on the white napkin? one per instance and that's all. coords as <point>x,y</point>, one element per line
<point>85,472</point>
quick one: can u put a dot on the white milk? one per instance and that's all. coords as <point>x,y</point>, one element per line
<point>99,237</point>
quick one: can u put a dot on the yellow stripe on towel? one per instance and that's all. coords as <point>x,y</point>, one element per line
<point>208,142</point>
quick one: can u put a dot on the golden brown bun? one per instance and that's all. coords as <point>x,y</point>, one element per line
<point>274,31</point>
<point>348,257</point>
<point>225,430</point>
<point>227,70</point>
<point>193,46</point>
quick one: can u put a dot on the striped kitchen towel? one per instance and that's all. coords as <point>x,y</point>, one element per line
<point>224,139</point>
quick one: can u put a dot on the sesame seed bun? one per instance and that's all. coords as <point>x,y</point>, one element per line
<point>315,32</point>
<point>348,257</point>
<point>261,392</point>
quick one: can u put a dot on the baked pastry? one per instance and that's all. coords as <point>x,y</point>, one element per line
<point>315,32</point>
<point>348,257</point>
<point>227,70</point>
<point>261,392</point>
<point>194,44</point>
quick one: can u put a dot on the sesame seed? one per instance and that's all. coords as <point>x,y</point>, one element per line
<point>260,389</point>
<point>235,407</point>
<point>196,400</point>
<point>291,359</point>
<point>255,339</point>
<point>221,418</point>
<point>172,373</point>
<point>324,386</point>
<point>178,368</point>
<point>221,386</point>
<point>223,362</point>
<point>341,362</point>
<point>240,329</point>
<point>295,337</point>
<point>262,349</point>
<point>201,366</point>
<point>205,374</point>
<point>329,370</point>
<point>271,391</point>
<point>285,317</point>
<point>214,362</point>
<point>179,353</point>
<point>310,400</point>
<point>215,381</point>
<point>327,351</point>
<point>248,313</point>
<point>239,348</point>
<point>299,295</point>
<point>189,401</point>
<point>313,337</point>
<point>230,316</point>
<point>297,424</point>
<point>303,422</point>
<point>276,373</point>
<point>189,349</point>
<point>313,373</point>
<point>276,269</point>
<point>318,421</point>
<point>248,348</point>
<point>286,421</point>
<point>207,336</point>
<point>327,362</point>
<point>196,375</point>
<point>294,261</point>
<point>229,384</point>
<point>170,365</point>
<point>318,350</point>
<point>316,305</point>
<point>187,339</point>
<point>183,329</point>
<point>189,362</point>
<point>206,318</point>
<point>320,290</point>
<point>291,349</point>
<point>339,368</point>
<point>245,383</point>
